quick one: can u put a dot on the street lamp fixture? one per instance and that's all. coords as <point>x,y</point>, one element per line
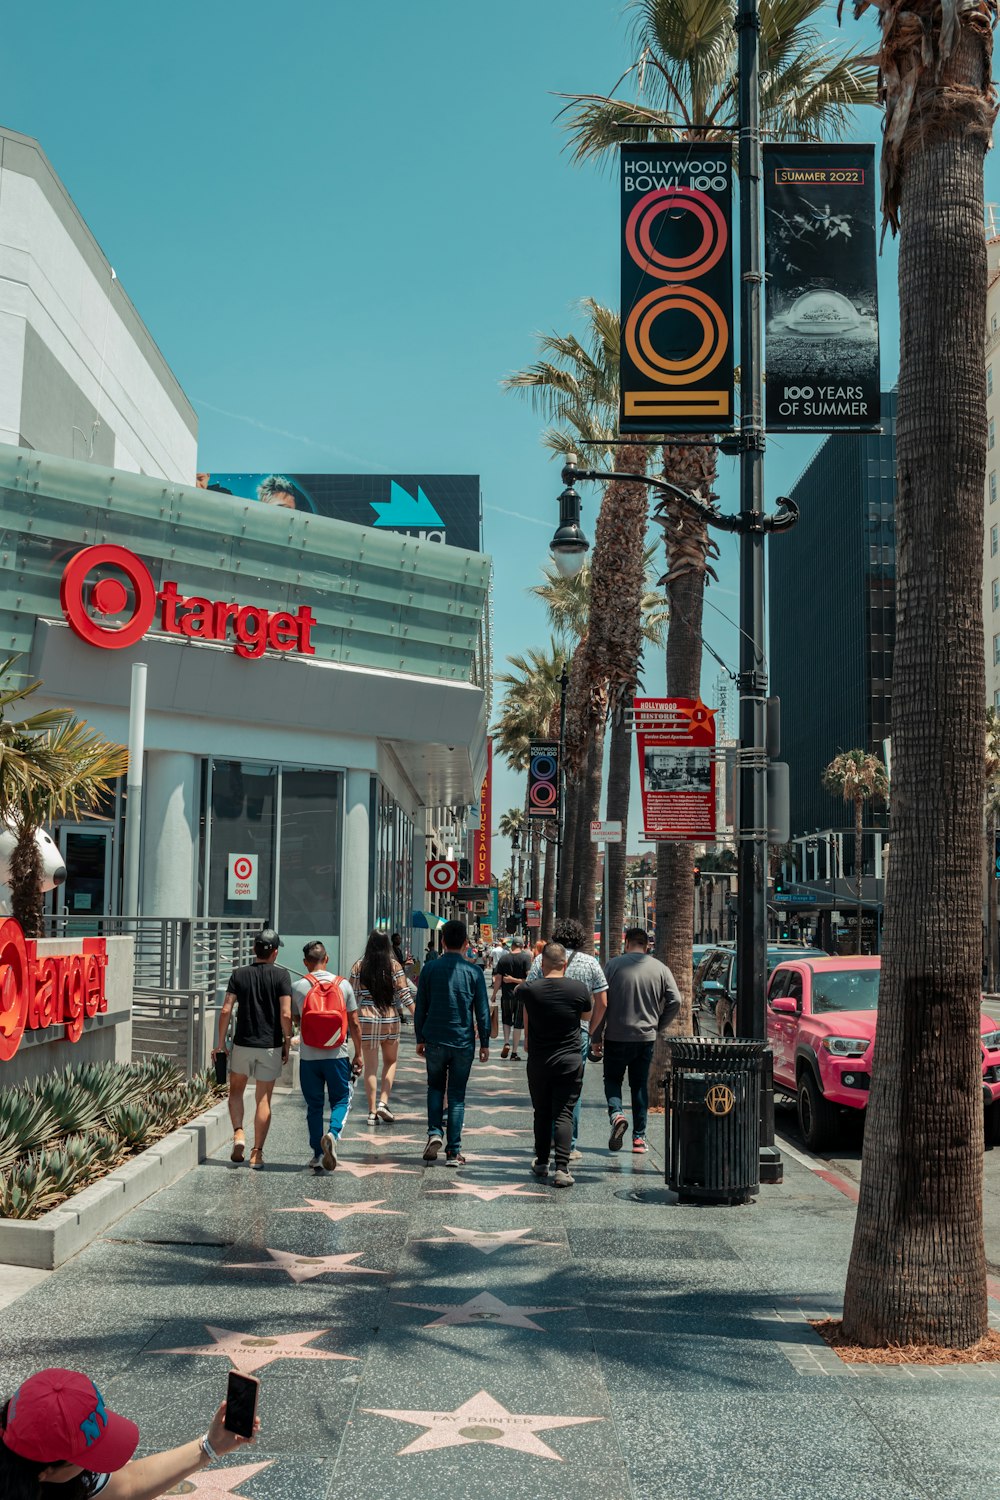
<point>569,546</point>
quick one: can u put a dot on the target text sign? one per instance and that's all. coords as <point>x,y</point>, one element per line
<point>242,877</point>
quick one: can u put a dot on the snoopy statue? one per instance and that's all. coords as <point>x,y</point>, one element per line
<point>53,868</point>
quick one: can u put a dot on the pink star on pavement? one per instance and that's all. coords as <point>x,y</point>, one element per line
<point>488,1240</point>
<point>483,1309</point>
<point>384,1142</point>
<point>491,1130</point>
<point>507,1160</point>
<point>502,1094</point>
<point>504,1109</point>
<point>353,1169</point>
<point>480,1420</point>
<point>305,1267</point>
<point>337,1211</point>
<point>485,1194</point>
<point>212,1482</point>
<point>250,1351</point>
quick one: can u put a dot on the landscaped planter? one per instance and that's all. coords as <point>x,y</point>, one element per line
<point>49,1241</point>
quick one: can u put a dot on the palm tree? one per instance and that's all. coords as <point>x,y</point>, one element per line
<point>52,765</point>
<point>511,826</point>
<point>575,385</point>
<point>858,777</point>
<point>685,77</point>
<point>918,1268</point>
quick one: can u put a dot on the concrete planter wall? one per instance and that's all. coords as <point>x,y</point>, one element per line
<point>48,1242</point>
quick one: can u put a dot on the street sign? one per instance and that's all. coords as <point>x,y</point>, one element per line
<point>472,893</point>
<point>442,875</point>
<point>533,919</point>
<point>242,877</point>
<point>675,742</point>
<point>532,906</point>
<point>607,832</point>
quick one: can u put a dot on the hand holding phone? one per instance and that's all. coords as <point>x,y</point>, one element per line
<point>241,1403</point>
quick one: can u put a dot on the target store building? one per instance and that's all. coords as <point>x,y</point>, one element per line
<point>315,696</point>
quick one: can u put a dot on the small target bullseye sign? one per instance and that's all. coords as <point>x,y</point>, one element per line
<point>242,881</point>
<point>442,875</point>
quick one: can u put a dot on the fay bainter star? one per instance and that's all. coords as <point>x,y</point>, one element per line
<point>256,629</point>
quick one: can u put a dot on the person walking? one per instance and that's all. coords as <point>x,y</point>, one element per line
<point>509,973</point>
<point>383,995</point>
<point>554,1007</point>
<point>642,998</point>
<point>451,1007</point>
<point>326,1009</point>
<point>57,1437</point>
<point>585,968</point>
<point>262,995</point>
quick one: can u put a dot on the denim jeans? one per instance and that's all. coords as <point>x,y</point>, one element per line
<point>329,1076</point>
<point>448,1070</point>
<point>585,1048</point>
<point>635,1059</point>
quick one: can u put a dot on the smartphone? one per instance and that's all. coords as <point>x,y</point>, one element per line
<point>241,1403</point>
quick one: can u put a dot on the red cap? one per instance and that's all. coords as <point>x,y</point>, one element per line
<point>59,1416</point>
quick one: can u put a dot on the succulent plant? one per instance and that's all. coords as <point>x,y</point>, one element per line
<point>25,1123</point>
<point>75,1108</point>
<point>131,1123</point>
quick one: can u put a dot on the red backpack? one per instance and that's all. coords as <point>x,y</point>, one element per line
<point>324,1014</point>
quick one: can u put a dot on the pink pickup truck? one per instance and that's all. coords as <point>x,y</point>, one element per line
<point>821,1016</point>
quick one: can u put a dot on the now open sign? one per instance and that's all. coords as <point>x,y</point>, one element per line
<point>242,881</point>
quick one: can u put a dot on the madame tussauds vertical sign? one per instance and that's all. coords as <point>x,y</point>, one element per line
<point>677,288</point>
<point>821,294</point>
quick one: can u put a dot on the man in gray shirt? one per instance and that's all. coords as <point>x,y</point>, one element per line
<point>642,999</point>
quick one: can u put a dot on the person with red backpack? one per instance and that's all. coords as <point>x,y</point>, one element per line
<point>326,1009</point>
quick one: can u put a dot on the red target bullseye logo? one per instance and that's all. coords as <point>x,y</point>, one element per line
<point>108,597</point>
<point>709,217</point>
<point>13,988</point>
<point>442,875</point>
<point>243,868</point>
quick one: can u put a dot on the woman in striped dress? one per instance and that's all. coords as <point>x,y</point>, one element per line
<point>383,993</point>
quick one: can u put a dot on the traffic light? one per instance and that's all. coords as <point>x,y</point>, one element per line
<point>697,875</point>
<point>779,885</point>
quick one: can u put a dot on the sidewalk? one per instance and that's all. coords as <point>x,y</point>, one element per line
<point>408,1322</point>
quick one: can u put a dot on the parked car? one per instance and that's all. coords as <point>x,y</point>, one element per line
<point>821,1015</point>
<point>715,981</point>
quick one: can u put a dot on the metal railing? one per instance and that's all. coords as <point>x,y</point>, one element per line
<point>179,976</point>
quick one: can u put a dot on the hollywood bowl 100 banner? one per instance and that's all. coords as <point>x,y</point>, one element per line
<point>677,288</point>
<point>821,294</point>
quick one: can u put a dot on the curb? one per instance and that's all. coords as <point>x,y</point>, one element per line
<point>48,1242</point>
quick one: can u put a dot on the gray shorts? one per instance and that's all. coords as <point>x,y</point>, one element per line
<point>260,1063</point>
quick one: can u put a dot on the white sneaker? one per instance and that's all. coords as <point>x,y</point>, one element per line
<point>315,1162</point>
<point>329,1149</point>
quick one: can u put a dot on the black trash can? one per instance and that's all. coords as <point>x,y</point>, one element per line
<point>713,1119</point>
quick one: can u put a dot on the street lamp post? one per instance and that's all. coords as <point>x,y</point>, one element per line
<point>752,525</point>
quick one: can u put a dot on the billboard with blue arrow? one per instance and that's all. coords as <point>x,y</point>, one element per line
<point>441,508</point>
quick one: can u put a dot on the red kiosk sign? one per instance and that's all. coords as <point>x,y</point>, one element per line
<point>51,989</point>
<point>678,783</point>
<point>254,628</point>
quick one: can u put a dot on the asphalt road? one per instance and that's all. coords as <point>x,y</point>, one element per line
<point>845,1158</point>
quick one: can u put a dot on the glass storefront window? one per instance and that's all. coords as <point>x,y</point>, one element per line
<point>310,852</point>
<point>244,809</point>
<point>393,839</point>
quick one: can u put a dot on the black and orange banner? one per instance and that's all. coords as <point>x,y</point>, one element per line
<point>677,289</point>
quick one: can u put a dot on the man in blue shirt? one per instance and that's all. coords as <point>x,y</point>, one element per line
<point>451,1006</point>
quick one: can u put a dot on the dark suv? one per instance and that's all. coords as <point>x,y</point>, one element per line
<point>715,981</point>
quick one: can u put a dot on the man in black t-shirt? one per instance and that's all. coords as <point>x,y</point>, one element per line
<point>262,994</point>
<point>509,972</point>
<point>553,1009</point>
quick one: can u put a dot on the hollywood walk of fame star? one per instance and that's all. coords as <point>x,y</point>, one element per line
<point>337,1211</point>
<point>212,1482</point>
<point>503,1109</point>
<point>354,1169</point>
<point>251,1351</point>
<point>503,1094</point>
<point>490,1130</point>
<point>480,1420</point>
<point>305,1267</point>
<point>483,1309</point>
<point>384,1142</point>
<point>484,1194</point>
<point>488,1240</point>
<point>510,1161</point>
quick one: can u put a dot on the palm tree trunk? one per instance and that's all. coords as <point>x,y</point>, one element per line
<point>586,849</point>
<point>991,903</point>
<point>548,883</point>
<point>619,787</point>
<point>26,884</point>
<point>858,847</point>
<point>567,869</point>
<point>918,1271</point>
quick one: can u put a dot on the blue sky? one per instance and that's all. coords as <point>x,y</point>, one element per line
<point>343,224</point>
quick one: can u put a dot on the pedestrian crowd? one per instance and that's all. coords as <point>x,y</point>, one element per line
<point>557,997</point>
<point>56,1428</point>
